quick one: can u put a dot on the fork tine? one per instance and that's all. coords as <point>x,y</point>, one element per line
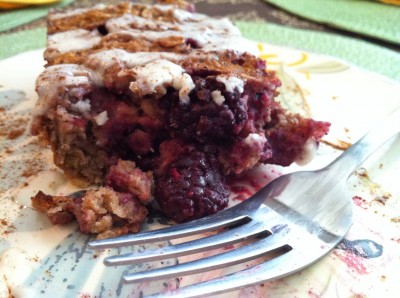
<point>227,237</point>
<point>201,225</point>
<point>306,249</point>
<point>272,269</point>
<point>282,265</point>
<point>242,254</point>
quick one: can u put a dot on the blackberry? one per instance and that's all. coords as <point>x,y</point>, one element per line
<point>203,120</point>
<point>192,187</point>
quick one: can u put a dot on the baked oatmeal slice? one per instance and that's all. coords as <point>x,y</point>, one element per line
<point>133,89</point>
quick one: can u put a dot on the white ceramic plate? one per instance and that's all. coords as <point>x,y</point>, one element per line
<point>41,260</point>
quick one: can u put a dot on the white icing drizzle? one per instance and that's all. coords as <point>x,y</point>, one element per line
<point>186,16</point>
<point>102,60</point>
<point>126,21</point>
<point>101,118</point>
<point>255,139</point>
<point>153,72</point>
<point>73,40</point>
<point>205,40</point>
<point>204,25</point>
<point>82,106</point>
<point>140,58</point>
<point>217,97</point>
<point>185,85</point>
<point>159,74</point>
<point>55,80</point>
<point>210,34</point>
<point>231,83</point>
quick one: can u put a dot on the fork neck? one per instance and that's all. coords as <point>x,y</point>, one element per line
<point>368,144</point>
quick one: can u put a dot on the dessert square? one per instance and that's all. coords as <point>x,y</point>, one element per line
<point>157,103</point>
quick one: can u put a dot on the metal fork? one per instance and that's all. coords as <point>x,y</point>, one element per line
<point>296,219</point>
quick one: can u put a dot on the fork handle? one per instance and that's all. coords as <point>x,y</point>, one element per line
<point>369,143</point>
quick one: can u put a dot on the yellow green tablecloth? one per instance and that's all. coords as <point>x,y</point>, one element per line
<point>370,18</point>
<point>12,18</point>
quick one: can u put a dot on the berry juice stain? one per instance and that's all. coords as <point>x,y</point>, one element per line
<point>360,202</point>
<point>356,251</point>
<point>364,248</point>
